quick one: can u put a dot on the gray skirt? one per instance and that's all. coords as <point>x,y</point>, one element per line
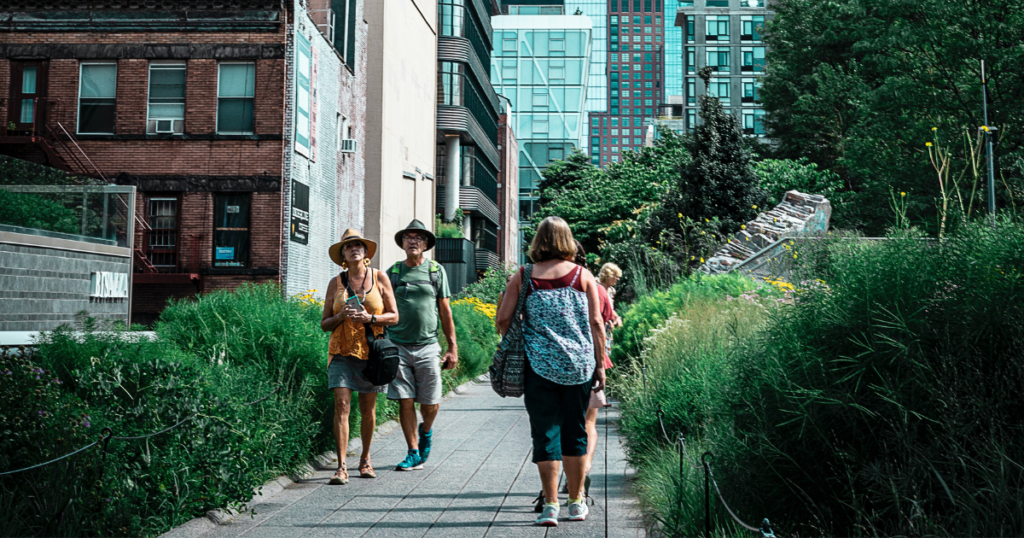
<point>347,373</point>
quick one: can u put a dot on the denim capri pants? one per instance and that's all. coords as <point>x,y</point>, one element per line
<point>558,415</point>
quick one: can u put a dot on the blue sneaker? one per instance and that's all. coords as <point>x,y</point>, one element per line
<point>411,462</point>
<point>425,444</point>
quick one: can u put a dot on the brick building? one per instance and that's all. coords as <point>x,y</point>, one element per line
<point>240,122</point>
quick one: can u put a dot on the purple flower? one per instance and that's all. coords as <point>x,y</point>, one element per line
<point>108,499</point>
<point>40,413</point>
<point>86,424</point>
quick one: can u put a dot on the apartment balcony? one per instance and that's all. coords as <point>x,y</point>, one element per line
<point>458,256</point>
<point>475,198</point>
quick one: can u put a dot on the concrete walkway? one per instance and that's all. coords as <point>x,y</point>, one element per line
<point>478,482</point>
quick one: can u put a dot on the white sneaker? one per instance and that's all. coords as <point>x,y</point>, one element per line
<point>579,511</point>
<point>548,516</point>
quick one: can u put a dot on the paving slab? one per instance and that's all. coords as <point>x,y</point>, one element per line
<point>479,482</point>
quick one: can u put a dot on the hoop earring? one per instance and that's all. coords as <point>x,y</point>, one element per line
<point>344,265</point>
<point>366,262</point>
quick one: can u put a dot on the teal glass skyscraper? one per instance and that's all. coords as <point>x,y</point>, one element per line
<point>541,63</point>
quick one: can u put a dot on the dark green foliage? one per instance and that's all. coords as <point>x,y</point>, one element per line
<point>18,172</point>
<point>889,401</point>
<point>778,176</point>
<point>477,340</point>
<point>247,369</point>
<point>559,175</point>
<point>31,211</point>
<point>857,86</point>
<point>717,183</point>
<point>885,401</point>
<point>488,288</point>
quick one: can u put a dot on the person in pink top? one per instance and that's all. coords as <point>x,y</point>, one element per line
<point>598,399</point>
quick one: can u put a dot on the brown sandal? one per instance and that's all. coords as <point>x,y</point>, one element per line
<point>366,468</point>
<point>340,477</point>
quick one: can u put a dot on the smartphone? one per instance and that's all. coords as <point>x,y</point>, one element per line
<point>353,302</point>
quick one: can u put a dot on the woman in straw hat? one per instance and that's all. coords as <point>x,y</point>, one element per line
<point>364,296</point>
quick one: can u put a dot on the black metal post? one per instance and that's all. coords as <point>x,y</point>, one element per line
<point>988,145</point>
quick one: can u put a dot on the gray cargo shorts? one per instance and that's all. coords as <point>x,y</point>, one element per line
<point>419,374</point>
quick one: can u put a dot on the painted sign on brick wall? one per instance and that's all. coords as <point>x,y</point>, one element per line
<point>300,213</point>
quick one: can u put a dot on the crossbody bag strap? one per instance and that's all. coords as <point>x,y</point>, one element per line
<point>370,337</point>
<point>527,271</point>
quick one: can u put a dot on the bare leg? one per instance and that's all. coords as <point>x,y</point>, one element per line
<point>368,420</point>
<point>342,406</point>
<point>591,438</point>
<point>549,479</point>
<point>407,417</point>
<point>574,475</point>
<point>429,413</point>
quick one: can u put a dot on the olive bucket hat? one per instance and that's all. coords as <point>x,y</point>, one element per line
<point>351,235</point>
<point>416,226</point>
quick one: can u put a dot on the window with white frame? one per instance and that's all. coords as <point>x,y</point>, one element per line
<point>236,96</point>
<point>719,87</point>
<point>718,59</point>
<point>556,73</point>
<point>753,59</point>
<point>508,45</point>
<point>717,27</point>
<point>97,98</point>
<point>540,126</point>
<point>750,27</point>
<point>166,110</point>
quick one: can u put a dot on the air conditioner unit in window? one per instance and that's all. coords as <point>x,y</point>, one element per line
<point>348,145</point>
<point>165,126</point>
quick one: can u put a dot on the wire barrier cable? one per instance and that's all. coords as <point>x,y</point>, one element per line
<point>108,436</point>
<point>88,446</point>
<point>765,530</point>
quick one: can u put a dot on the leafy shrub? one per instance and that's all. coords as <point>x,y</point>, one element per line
<point>31,211</point>
<point>654,309</point>
<point>243,376</point>
<point>780,175</point>
<point>488,288</point>
<point>237,429</point>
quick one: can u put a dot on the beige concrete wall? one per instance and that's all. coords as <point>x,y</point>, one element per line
<point>400,119</point>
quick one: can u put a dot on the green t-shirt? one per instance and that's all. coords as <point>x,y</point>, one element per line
<point>417,305</point>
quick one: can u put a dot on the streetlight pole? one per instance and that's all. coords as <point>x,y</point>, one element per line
<point>988,146</point>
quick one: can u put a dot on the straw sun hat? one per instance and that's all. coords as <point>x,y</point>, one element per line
<point>351,235</point>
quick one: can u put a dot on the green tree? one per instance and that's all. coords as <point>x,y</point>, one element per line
<point>716,190</point>
<point>31,211</point>
<point>857,86</point>
<point>777,176</point>
<point>591,199</point>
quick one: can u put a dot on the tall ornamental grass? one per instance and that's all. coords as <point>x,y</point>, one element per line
<point>888,402</point>
<point>690,371</point>
<point>885,400</point>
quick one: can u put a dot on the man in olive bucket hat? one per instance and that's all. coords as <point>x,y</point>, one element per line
<point>421,291</point>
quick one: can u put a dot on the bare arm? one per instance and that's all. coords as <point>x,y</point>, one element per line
<point>596,327</point>
<point>328,322</point>
<point>444,309</point>
<point>508,304</point>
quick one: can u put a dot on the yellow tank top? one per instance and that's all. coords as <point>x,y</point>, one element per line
<point>349,338</point>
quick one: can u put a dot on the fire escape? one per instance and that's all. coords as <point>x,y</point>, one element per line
<point>157,256</point>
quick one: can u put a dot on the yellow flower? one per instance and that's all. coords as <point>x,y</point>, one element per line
<point>706,220</point>
<point>702,260</point>
<point>929,144</point>
<point>743,226</point>
<point>693,257</point>
<point>753,207</point>
<point>984,128</point>
<point>903,194</point>
<point>680,215</point>
<point>935,128</point>
<point>794,256</point>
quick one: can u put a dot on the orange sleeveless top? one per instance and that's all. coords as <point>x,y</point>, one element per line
<point>349,338</point>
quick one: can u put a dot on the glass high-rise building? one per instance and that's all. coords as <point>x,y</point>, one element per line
<point>636,81</point>
<point>725,35</point>
<point>541,63</point>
